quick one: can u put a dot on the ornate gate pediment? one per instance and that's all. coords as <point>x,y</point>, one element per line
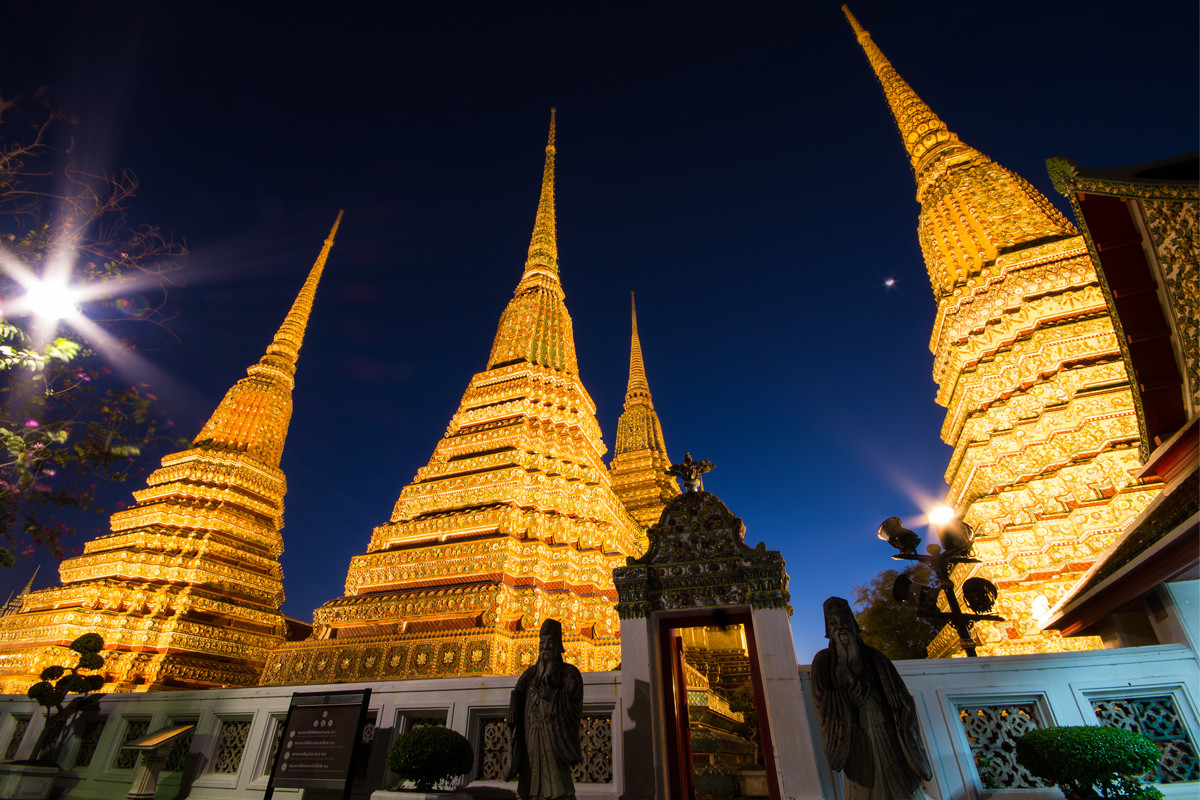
<point>698,558</point>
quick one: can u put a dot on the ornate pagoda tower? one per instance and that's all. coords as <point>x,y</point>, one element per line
<point>187,588</point>
<point>639,466</point>
<point>511,522</point>
<point>1040,409</point>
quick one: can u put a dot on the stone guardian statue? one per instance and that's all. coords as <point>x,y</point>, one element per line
<point>868,718</point>
<point>543,715</point>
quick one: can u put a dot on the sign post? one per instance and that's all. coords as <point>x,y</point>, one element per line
<point>154,755</point>
<point>319,744</point>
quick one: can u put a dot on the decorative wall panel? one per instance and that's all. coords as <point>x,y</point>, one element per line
<point>1157,718</point>
<point>134,730</point>
<point>231,746</point>
<point>88,740</point>
<point>993,732</point>
<point>20,725</point>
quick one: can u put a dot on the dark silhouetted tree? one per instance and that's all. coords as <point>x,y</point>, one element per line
<point>890,626</point>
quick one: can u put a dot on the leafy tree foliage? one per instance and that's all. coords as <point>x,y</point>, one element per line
<point>890,626</point>
<point>67,421</point>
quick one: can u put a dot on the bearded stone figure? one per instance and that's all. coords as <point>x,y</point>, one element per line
<point>868,718</point>
<point>543,714</point>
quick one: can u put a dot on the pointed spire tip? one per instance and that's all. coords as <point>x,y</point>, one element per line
<point>336,223</point>
<point>638,389</point>
<point>858,29</point>
<point>543,246</point>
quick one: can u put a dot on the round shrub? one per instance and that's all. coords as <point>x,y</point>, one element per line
<point>1090,761</point>
<point>430,755</point>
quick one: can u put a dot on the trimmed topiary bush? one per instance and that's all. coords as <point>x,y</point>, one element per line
<point>430,755</point>
<point>1090,762</point>
<point>57,682</point>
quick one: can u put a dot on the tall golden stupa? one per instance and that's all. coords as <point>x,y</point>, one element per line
<point>186,590</point>
<point>1040,409</point>
<point>639,466</point>
<point>512,521</point>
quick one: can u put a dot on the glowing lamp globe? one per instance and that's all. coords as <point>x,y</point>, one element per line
<point>50,301</point>
<point>941,515</point>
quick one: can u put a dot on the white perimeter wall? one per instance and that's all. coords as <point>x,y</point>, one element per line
<point>1061,689</point>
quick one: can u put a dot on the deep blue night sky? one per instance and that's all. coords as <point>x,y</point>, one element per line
<point>735,164</point>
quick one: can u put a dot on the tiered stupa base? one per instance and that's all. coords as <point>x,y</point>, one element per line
<point>154,636</point>
<point>130,671</point>
<point>440,654</point>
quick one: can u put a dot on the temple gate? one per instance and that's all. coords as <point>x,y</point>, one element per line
<point>699,571</point>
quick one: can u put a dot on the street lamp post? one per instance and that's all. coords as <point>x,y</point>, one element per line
<point>956,540</point>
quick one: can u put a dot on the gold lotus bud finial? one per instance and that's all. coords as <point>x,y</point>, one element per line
<point>689,471</point>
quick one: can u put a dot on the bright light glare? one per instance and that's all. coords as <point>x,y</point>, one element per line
<point>50,301</point>
<point>941,515</point>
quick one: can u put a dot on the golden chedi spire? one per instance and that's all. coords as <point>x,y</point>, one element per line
<point>186,590</point>
<point>513,521</point>
<point>923,133</point>
<point>640,462</point>
<point>972,209</point>
<point>253,417</point>
<point>1039,407</point>
<point>536,327</point>
<point>638,389</point>
<point>14,602</point>
<point>543,245</point>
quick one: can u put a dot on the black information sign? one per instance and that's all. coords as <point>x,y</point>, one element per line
<point>320,741</point>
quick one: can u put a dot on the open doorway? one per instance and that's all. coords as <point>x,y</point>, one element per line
<point>716,733</point>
